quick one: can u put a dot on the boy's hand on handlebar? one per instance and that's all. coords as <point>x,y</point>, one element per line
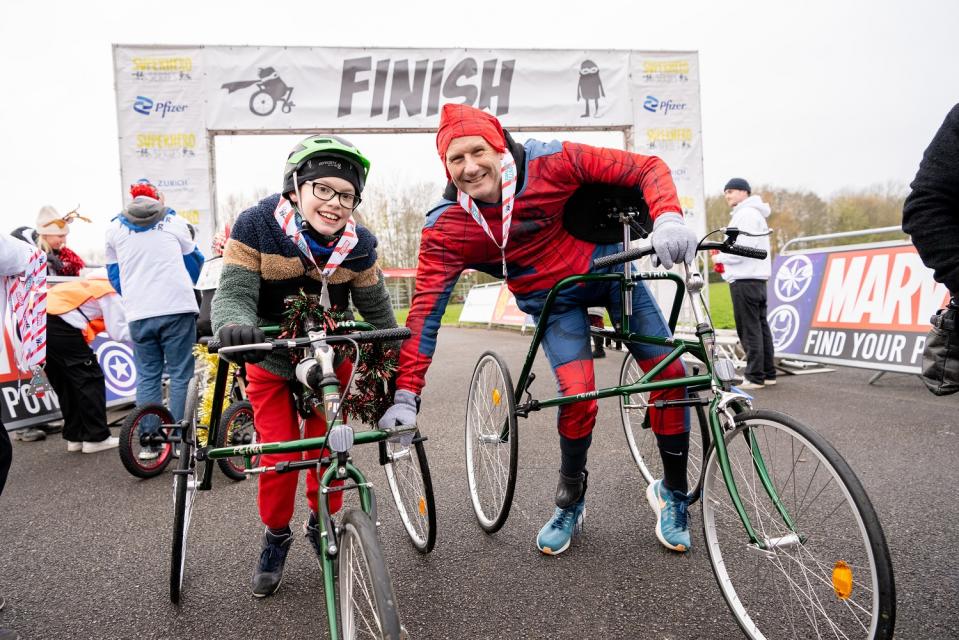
<point>401,414</point>
<point>673,241</point>
<point>235,335</point>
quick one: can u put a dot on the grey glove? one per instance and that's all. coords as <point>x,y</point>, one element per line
<point>401,414</point>
<point>673,241</point>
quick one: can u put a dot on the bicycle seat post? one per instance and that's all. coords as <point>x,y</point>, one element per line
<point>627,271</point>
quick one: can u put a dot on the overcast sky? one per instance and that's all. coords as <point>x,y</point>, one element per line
<point>820,95</point>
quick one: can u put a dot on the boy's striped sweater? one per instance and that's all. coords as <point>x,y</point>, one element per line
<point>261,266</point>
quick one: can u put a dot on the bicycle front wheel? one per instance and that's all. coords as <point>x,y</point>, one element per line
<point>184,494</point>
<point>633,410</point>
<point>492,442</point>
<point>828,576</point>
<point>408,474</point>
<point>367,602</point>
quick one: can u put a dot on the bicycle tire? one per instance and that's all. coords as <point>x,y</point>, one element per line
<point>490,411</point>
<point>410,482</point>
<point>364,586</point>
<point>642,441</point>
<point>238,412</point>
<point>130,446</point>
<point>798,589</point>
<point>184,494</point>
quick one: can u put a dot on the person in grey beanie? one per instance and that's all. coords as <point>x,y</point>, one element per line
<point>747,283</point>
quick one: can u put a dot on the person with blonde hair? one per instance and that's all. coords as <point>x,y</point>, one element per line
<point>53,229</point>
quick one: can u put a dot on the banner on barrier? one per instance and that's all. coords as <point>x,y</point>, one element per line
<point>861,307</point>
<point>20,409</point>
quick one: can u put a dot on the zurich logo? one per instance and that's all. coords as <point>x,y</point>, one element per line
<point>793,278</point>
<point>783,325</point>
<point>119,372</point>
<point>143,105</point>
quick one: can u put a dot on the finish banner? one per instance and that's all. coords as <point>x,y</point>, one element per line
<point>172,100</point>
<point>861,307</point>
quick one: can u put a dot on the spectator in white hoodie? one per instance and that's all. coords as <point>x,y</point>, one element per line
<point>747,283</point>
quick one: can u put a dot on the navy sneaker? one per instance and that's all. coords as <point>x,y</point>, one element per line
<point>672,518</point>
<point>269,569</point>
<point>555,536</point>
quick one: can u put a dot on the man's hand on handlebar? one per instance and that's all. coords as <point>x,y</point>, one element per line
<point>401,417</point>
<point>235,335</point>
<point>673,241</point>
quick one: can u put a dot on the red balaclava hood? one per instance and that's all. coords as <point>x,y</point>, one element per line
<point>459,120</point>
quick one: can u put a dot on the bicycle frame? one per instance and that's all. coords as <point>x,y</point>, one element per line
<point>339,466</point>
<point>703,348</point>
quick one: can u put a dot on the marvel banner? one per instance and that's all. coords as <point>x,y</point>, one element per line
<point>20,409</point>
<point>861,307</point>
<point>172,100</point>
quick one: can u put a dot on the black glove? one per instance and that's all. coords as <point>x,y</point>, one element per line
<point>940,358</point>
<point>233,335</point>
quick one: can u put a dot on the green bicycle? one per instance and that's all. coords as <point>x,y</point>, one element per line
<point>793,540</point>
<point>360,601</point>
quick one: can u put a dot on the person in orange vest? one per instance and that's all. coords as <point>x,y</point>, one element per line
<point>76,312</point>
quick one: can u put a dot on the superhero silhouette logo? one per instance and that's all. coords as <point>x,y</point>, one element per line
<point>783,325</point>
<point>270,91</point>
<point>590,87</point>
<point>793,278</point>
<point>119,372</point>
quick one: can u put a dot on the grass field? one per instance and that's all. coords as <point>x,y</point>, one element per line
<point>720,307</point>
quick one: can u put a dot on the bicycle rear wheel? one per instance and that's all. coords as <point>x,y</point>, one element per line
<point>408,475</point>
<point>633,410</point>
<point>830,577</point>
<point>367,604</point>
<point>492,442</point>
<point>184,493</point>
<point>236,429</point>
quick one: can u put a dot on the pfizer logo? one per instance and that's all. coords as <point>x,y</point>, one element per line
<point>784,326</point>
<point>119,372</point>
<point>793,278</point>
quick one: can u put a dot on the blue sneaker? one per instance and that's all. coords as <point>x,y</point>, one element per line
<point>555,536</point>
<point>672,521</point>
<point>269,568</point>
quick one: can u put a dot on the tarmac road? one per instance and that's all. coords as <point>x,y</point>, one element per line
<point>86,546</point>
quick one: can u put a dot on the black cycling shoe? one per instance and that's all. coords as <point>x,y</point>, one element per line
<point>269,569</point>
<point>570,489</point>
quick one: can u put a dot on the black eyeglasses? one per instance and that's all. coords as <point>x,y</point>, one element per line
<point>325,193</point>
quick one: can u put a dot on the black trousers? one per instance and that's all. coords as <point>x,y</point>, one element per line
<point>76,376</point>
<point>6,456</point>
<point>749,311</point>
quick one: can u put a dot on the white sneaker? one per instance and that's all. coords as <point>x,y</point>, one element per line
<point>148,454</point>
<point>112,442</point>
<point>750,385</point>
<point>770,381</point>
<point>73,447</point>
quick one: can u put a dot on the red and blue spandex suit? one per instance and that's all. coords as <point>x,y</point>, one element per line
<point>540,252</point>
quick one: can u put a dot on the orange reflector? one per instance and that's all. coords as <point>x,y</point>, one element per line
<point>422,506</point>
<point>842,580</point>
<point>496,397</point>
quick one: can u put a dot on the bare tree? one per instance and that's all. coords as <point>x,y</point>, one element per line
<point>395,213</point>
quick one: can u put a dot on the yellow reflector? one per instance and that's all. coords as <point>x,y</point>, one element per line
<point>496,397</point>
<point>842,580</point>
<point>422,506</point>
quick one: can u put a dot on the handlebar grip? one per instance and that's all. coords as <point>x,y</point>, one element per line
<point>621,257</point>
<point>396,333</point>
<point>746,252</point>
<point>213,345</point>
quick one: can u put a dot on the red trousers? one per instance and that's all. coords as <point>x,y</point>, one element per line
<point>276,420</point>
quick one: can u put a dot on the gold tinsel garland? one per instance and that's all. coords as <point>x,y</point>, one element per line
<point>206,364</point>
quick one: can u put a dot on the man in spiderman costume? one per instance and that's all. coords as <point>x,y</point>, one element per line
<point>502,213</point>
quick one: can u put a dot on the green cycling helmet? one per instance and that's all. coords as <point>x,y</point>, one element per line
<point>322,145</point>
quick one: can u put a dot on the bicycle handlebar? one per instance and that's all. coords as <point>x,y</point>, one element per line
<point>634,254</point>
<point>377,335</point>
